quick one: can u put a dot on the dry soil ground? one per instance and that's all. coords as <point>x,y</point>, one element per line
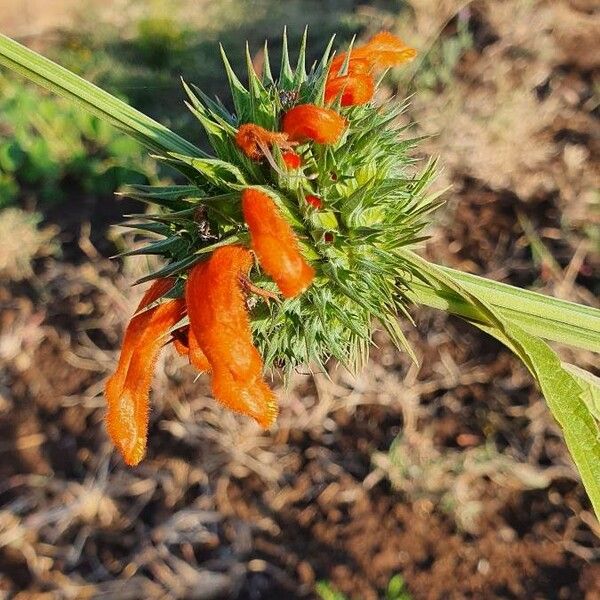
<point>452,473</point>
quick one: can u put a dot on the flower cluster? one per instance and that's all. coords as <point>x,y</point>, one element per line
<point>281,249</point>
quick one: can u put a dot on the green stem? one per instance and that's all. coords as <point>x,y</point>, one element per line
<point>543,316</point>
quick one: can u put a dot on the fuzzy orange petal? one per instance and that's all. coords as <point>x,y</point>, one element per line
<point>127,391</point>
<point>185,344</point>
<point>291,160</point>
<point>197,357</point>
<point>356,65</point>
<point>354,89</point>
<point>382,51</point>
<point>220,322</point>
<point>310,122</point>
<point>136,327</point>
<point>252,139</point>
<point>386,50</point>
<point>275,244</point>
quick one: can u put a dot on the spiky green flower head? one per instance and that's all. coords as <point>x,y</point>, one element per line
<point>374,204</point>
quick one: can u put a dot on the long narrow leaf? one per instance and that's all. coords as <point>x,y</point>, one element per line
<point>565,395</point>
<point>546,317</point>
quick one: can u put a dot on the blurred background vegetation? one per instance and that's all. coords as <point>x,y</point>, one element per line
<point>447,480</point>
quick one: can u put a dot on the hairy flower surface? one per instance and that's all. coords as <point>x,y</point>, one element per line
<point>310,122</point>
<point>382,51</point>
<point>310,198</point>
<point>127,391</point>
<point>255,141</point>
<point>275,244</point>
<point>352,89</point>
<point>291,159</point>
<point>219,321</point>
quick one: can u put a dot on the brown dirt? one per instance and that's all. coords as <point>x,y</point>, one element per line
<point>453,474</point>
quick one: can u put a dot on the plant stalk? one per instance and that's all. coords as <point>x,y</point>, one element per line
<point>546,317</point>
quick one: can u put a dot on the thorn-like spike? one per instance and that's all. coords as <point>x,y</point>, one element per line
<point>324,62</point>
<point>286,75</point>
<point>238,91</point>
<point>193,98</point>
<point>267,74</point>
<point>300,76</point>
<point>346,65</point>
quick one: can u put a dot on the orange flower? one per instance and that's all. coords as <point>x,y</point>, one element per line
<point>127,391</point>
<point>220,323</point>
<point>292,160</point>
<point>381,51</point>
<point>181,342</point>
<point>310,122</point>
<point>275,244</point>
<point>354,89</point>
<point>197,357</point>
<point>186,344</point>
<point>386,50</point>
<point>255,141</point>
<point>356,65</point>
<point>314,201</point>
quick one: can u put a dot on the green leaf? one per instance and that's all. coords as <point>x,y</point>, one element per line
<point>562,391</point>
<point>107,107</point>
<point>590,384</point>
<point>544,316</point>
<point>170,197</point>
<point>219,173</point>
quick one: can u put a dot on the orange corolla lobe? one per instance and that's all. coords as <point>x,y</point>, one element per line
<point>220,323</point>
<point>380,52</point>
<point>275,244</point>
<point>255,141</point>
<point>310,122</point>
<point>127,390</point>
<point>352,89</point>
<point>185,344</point>
<point>386,50</point>
<point>292,160</point>
<point>357,85</point>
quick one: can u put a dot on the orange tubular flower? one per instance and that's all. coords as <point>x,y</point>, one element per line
<point>180,342</point>
<point>381,51</point>
<point>292,160</point>
<point>255,141</point>
<point>356,65</point>
<point>186,344</point>
<point>314,201</point>
<point>275,244</point>
<point>197,357</point>
<point>354,89</point>
<point>386,50</point>
<point>310,122</point>
<point>127,391</point>
<point>220,323</point>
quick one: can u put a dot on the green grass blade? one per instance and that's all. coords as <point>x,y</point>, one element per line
<point>90,97</point>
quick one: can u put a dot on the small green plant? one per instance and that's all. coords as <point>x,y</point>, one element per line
<point>396,590</point>
<point>61,151</point>
<point>326,591</point>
